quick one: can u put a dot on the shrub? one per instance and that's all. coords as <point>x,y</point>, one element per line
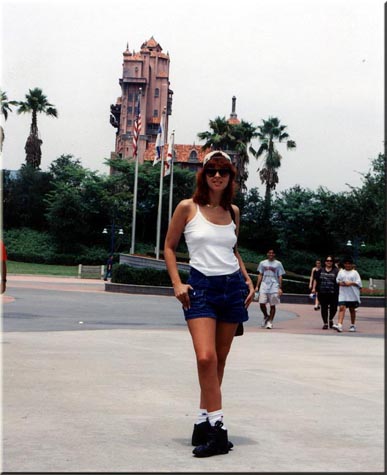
<point>28,245</point>
<point>124,274</point>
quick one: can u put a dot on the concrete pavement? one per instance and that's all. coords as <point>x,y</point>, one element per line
<point>296,398</point>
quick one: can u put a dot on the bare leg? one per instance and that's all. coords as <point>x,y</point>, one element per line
<point>341,314</point>
<point>210,340</point>
<point>272,312</point>
<point>353,315</point>
<point>264,310</point>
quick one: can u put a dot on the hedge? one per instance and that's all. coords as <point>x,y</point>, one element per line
<point>124,274</point>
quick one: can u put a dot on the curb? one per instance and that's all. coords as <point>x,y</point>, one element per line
<point>168,291</point>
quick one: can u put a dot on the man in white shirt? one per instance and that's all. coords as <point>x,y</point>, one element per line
<point>269,284</point>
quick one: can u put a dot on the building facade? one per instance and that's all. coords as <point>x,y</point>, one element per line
<point>145,75</point>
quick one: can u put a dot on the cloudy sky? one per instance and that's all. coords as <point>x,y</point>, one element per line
<point>316,65</point>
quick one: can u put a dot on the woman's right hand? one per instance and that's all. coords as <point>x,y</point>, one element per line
<point>181,293</point>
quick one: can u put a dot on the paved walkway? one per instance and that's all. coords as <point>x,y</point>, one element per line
<point>296,398</point>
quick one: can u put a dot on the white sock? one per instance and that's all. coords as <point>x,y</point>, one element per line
<point>202,416</point>
<point>216,416</point>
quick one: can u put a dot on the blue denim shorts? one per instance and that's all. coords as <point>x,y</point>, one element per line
<point>221,297</point>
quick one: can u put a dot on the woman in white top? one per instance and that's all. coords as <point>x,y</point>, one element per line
<point>349,294</point>
<point>217,293</point>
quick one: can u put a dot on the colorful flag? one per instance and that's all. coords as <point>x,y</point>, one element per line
<point>136,126</point>
<point>159,142</point>
<point>168,161</point>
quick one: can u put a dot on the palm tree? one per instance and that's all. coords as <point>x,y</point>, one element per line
<point>233,139</point>
<point>221,136</point>
<point>269,132</point>
<point>36,102</point>
<point>243,132</point>
<point>5,108</point>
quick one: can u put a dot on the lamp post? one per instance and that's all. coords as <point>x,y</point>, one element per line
<point>355,245</point>
<point>112,235</point>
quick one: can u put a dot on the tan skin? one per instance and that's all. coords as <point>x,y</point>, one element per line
<point>211,339</point>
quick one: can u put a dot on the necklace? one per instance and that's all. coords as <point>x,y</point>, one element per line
<point>212,206</point>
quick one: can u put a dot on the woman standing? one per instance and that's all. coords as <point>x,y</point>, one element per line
<point>217,293</point>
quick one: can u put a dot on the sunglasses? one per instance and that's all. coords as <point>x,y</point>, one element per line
<point>211,172</point>
<point>328,260</point>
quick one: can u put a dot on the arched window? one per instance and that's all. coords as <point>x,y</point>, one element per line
<point>193,156</point>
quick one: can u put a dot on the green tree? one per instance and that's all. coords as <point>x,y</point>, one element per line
<point>23,198</point>
<point>119,196</point>
<point>302,220</point>
<point>75,212</point>
<point>233,139</point>
<point>253,232</point>
<point>36,102</point>
<point>270,132</point>
<point>5,109</point>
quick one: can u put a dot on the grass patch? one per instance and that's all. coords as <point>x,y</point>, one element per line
<point>41,269</point>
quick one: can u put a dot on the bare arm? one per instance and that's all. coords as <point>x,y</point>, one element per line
<point>175,230</point>
<point>241,263</point>
<point>280,285</point>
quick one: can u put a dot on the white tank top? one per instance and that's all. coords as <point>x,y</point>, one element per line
<point>210,246</point>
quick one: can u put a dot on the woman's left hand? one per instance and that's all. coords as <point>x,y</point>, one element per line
<point>250,296</point>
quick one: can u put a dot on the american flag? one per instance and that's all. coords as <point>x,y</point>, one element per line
<point>136,126</point>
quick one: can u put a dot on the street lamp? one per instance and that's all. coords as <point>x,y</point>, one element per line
<point>357,243</point>
<point>112,235</point>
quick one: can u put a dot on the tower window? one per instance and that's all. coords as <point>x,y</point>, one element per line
<point>130,97</point>
<point>157,92</point>
<point>130,110</point>
<point>155,113</point>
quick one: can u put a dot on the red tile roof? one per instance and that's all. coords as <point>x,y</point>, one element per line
<point>182,152</point>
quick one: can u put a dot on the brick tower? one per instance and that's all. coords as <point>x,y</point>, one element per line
<point>147,70</point>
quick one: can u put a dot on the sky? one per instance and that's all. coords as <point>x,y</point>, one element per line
<point>316,65</point>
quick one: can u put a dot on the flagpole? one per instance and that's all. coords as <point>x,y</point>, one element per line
<point>171,179</point>
<point>135,179</point>
<point>160,190</point>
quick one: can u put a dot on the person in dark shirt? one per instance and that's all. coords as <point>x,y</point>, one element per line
<point>324,283</point>
<point>109,268</point>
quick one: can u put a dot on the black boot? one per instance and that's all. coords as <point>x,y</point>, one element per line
<point>216,444</point>
<point>200,434</point>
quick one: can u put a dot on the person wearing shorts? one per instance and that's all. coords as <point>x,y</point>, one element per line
<point>269,285</point>
<point>349,294</point>
<point>218,291</point>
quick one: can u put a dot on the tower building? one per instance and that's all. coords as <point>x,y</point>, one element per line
<point>146,75</point>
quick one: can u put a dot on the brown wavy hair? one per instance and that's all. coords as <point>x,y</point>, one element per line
<point>201,194</point>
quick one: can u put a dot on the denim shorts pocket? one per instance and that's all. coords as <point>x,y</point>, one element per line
<point>197,298</point>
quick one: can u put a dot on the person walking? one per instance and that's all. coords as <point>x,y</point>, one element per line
<point>109,267</point>
<point>327,290</point>
<point>349,294</point>
<point>316,267</point>
<point>269,285</point>
<point>218,291</point>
